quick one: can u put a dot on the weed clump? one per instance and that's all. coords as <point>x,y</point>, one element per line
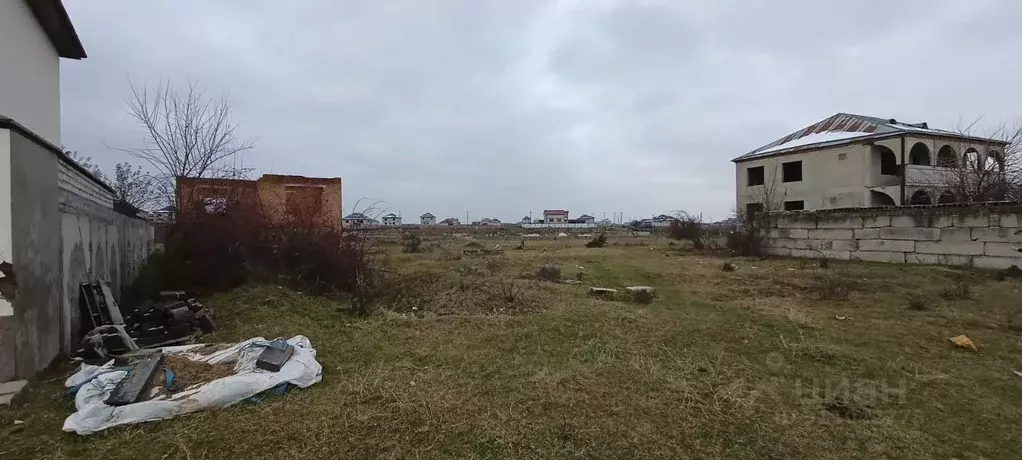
<point>411,243</point>
<point>728,267</point>
<point>598,241</point>
<point>832,287</point>
<point>959,288</point>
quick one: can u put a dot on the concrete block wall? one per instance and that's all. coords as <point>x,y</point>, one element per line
<point>982,236</point>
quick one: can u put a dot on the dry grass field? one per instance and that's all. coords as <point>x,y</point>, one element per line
<point>472,356</point>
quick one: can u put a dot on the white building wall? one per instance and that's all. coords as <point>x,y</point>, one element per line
<point>29,72</point>
<point>6,237</point>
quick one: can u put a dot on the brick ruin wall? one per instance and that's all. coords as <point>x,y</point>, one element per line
<point>983,236</point>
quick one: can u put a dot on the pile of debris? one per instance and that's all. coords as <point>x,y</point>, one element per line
<point>160,383</point>
<point>111,330</point>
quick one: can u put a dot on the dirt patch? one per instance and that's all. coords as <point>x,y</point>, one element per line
<point>193,372</point>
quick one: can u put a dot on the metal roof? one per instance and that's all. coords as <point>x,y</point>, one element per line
<point>846,128</point>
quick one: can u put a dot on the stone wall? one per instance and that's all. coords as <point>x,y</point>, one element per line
<point>981,236</point>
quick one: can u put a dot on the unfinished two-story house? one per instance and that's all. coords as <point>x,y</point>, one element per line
<point>857,161</point>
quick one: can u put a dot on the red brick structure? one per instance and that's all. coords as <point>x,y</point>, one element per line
<point>279,197</point>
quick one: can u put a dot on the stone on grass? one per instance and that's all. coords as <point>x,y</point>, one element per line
<point>562,235</point>
<point>644,289</point>
<point>9,389</point>
<point>599,291</point>
<point>549,272</point>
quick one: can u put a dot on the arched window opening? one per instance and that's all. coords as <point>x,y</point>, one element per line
<point>919,154</point>
<point>920,197</point>
<point>947,157</point>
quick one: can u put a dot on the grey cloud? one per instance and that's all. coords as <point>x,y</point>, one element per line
<point>500,107</point>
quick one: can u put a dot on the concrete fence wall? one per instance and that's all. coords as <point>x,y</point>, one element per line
<point>982,236</point>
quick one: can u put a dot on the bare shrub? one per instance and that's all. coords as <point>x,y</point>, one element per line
<point>509,290</point>
<point>411,242</point>
<point>598,241</point>
<point>832,287</point>
<point>958,288</point>
<point>728,267</point>
<point>688,227</point>
<point>823,262</point>
<point>743,238</point>
<point>236,242</point>
<point>919,303</point>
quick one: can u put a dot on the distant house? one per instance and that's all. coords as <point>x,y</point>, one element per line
<point>487,222</point>
<point>391,220</point>
<point>526,220</point>
<point>555,216</point>
<point>427,219</point>
<point>586,219</point>
<point>356,219</point>
<point>605,223</point>
<point>663,220</point>
<point>450,221</point>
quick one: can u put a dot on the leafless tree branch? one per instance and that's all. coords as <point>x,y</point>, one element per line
<point>187,134</point>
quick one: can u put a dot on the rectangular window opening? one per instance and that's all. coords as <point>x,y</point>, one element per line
<point>794,205</point>
<point>755,176</point>
<point>752,209</point>
<point>791,171</point>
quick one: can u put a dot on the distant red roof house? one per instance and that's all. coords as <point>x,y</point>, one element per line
<point>555,216</point>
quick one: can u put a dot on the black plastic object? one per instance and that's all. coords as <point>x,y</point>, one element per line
<point>275,355</point>
<point>135,386</point>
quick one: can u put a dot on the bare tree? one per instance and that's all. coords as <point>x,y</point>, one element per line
<point>135,186</point>
<point>187,135</point>
<point>974,172</point>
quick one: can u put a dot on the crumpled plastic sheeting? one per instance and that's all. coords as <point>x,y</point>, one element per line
<point>94,415</point>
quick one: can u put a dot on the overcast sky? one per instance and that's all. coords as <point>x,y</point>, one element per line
<point>504,107</point>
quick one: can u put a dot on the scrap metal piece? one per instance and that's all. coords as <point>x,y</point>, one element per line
<point>275,356</point>
<point>137,383</point>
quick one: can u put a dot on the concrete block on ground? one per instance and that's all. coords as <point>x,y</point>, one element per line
<point>830,234</point>
<point>599,291</point>
<point>1003,249</point>
<point>876,221</point>
<point>838,221</point>
<point>783,252</point>
<point>796,221</point>
<point>879,256</point>
<point>12,387</point>
<point>887,245</point>
<point>1011,220</point>
<point>997,235</point>
<point>866,233</point>
<point>938,259</point>
<point>971,248</point>
<point>942,221</point>
<point>918,234</point>
<point>996,263</point>
<point>9,389</point>
<point>956,234</point>
<point>981,220</point>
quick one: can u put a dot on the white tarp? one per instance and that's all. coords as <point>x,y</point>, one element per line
<point>97,382</point>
